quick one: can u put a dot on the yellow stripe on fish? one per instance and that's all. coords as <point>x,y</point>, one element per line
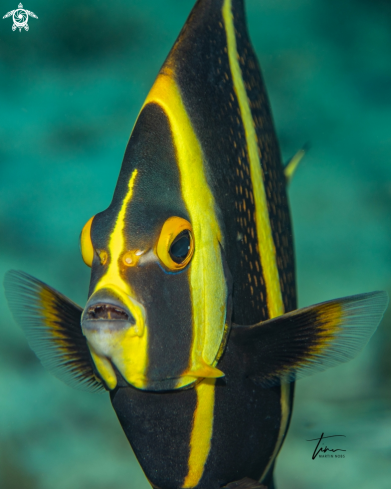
<point>266,246</point>
<point>206,267</point>
<point>201,432</point>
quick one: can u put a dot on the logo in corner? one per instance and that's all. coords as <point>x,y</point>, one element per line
<point>20,17</point>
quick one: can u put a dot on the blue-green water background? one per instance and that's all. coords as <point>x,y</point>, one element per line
<point>70,90</point>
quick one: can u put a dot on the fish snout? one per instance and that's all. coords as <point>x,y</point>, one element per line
<point>111,315</point>
<point>106,312</point>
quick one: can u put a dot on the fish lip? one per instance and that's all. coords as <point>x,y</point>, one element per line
<point>121,312</point>
<point>105,325</point>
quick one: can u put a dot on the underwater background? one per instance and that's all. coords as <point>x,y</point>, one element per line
<point>70,91</point>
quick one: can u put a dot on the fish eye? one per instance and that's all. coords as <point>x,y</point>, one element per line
<point>175,246</point>
<point>180,247</point>
<point>86,248</point>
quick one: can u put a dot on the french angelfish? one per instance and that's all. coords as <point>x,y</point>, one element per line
<point>191,322</point>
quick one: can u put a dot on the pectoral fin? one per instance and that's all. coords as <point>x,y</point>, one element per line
<point>51,323</point>
<point>309,340</point>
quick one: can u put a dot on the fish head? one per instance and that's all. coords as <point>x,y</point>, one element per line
<point>157,313</point>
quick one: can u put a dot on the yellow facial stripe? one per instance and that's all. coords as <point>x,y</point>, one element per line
<point>264,232</point>
<point>128,348</point>
<point>201,432</point>
<point>105,369</point>
<point>117,246</point>
<point>207,279</point>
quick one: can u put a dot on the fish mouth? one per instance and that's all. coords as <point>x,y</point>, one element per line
<point>104,312</point>
<point>106,317</point>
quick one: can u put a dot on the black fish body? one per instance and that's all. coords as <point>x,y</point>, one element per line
<point>243,440</point>
<point>242,443</point>
<point>191,321</point>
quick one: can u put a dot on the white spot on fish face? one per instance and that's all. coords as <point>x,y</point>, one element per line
<point>149,257</point>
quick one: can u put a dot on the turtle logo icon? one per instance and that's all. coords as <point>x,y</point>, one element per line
<point>20,17</point>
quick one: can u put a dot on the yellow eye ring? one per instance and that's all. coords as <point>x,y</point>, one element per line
<point>175,247</point>
<point>86,248</point>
